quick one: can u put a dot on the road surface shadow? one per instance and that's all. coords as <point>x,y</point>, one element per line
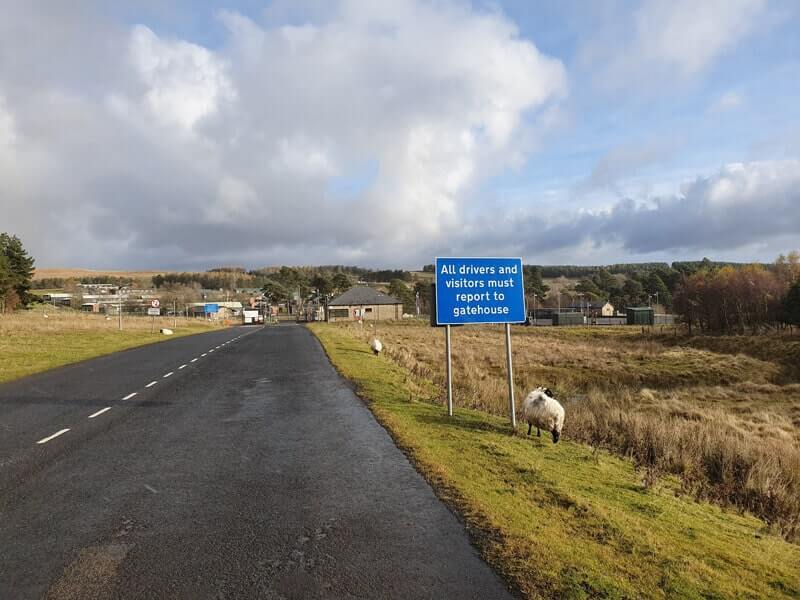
<point>444,420</point>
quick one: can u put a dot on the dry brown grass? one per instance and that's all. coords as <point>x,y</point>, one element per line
<point>717,455</point>
<point>59,321</point>
<point>31,343</point>
<point>723,414</point>
<point>78,273</point>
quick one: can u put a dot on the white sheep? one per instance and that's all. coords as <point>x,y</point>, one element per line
<point>540,408</point>
<point>376,346</point>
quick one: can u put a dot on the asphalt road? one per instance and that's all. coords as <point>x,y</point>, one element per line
<point>250,472</point>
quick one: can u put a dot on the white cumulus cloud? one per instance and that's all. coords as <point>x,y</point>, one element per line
<point>167,152</point>
<point>668,40</point>
<point>183,82</point>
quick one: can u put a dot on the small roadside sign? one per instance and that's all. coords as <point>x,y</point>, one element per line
<point>153,312</point>
<point>155,303</point>
<point>479,290</point>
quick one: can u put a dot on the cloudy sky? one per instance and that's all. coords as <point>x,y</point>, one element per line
<point>190,134</point>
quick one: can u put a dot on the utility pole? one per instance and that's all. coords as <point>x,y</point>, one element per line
<point>119,315</point>
<point>174,313</point>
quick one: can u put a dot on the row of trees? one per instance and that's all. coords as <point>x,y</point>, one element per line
<point>293,278</point>
<point>624,284</point>
<point>712,296</point>
<point>283,284</point>
<point>636,290</point>
<point>16,272</point>
<point>740,300</point>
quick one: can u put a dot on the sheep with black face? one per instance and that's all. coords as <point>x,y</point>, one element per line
<point>542,410</point>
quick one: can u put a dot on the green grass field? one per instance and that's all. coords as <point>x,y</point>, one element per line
<point>29,345</point>
<point>567,520</point>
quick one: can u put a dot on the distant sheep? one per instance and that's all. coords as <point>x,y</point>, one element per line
<point>376,346</point>
<point>541,409</point>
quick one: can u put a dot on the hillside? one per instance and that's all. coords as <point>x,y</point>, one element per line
<point>66,273</point>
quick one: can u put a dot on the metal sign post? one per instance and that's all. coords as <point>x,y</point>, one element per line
<point>511,406</point>
<point>153,311</point>
<point>449,372</point>
<point>479,290</point>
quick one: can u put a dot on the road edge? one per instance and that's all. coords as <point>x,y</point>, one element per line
<point>481,536</point>
<point>161,340</point>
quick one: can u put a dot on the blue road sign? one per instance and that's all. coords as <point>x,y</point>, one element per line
<point>479,290</point>
<point>211,308</point>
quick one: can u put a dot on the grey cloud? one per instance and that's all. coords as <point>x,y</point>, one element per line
<point>740,205</point>
<point>626,160</point>
<point>755,211</point>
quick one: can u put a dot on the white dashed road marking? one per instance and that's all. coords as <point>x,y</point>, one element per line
<point>99,412</point>
<point>50,437</point>
<point>149,385</point>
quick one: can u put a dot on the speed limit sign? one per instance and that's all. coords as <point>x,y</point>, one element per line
<point>155,303</point>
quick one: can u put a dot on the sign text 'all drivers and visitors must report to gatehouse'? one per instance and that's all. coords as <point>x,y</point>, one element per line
<point>479,290</point>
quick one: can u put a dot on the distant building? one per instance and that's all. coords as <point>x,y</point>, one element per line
<point>640,315</point>
<point>98,288</point>
<point>216,310</point>
<point>595,309</point>
<point>365,303</point>
<point>60,299</point>
<point>605,309</point>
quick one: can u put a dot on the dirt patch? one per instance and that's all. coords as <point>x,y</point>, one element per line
<point>91,574</point>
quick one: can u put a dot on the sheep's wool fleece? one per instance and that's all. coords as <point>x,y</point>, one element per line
<point>376,345</point>
<point>542,411</point>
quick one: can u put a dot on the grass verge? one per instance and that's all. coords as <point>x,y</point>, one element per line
<point>566,520</point>
<point>27,347</point>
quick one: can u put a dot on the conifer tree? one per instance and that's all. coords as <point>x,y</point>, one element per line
<point>17,268</point>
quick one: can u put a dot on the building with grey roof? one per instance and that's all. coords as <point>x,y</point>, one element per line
<point>365,303</point>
